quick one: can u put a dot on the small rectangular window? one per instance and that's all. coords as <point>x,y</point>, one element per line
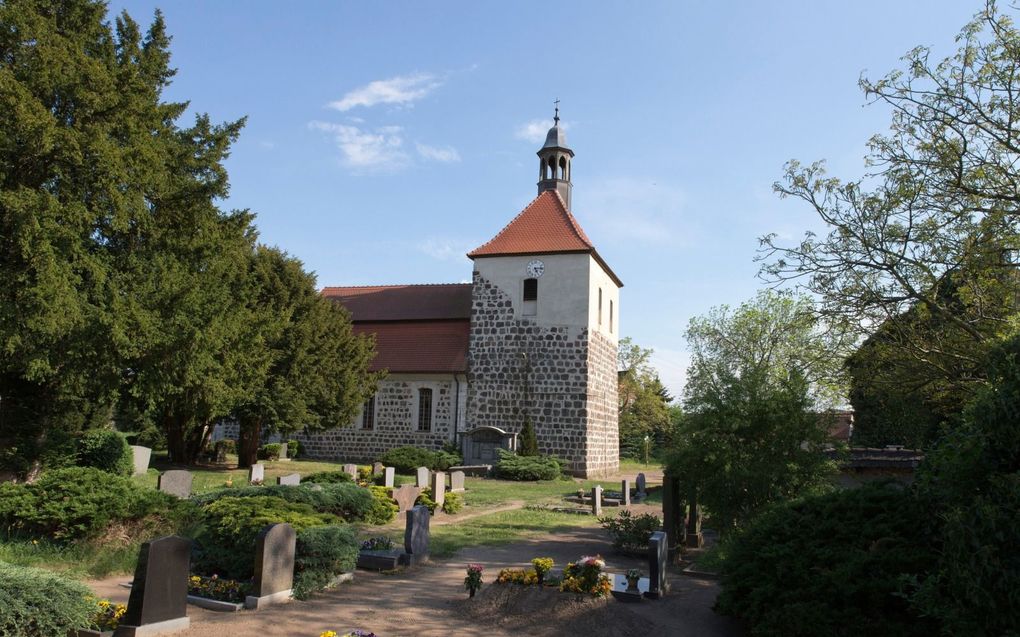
<point>600,307</point>
<point>368,414</point>
<point>530,289</point>
<point>424,409</point>
<point>610,316</point>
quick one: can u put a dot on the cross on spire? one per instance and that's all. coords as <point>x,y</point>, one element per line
<point>556,119</point>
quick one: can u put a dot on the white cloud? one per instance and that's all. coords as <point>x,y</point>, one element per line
<point>381,149</point>
<point>446,154</point>
<point>446,249</point>
<point>535,130</point>
<point>400,90</point>
<point>637,209</point>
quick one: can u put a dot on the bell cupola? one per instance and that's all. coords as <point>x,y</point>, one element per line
<point>554,162</point>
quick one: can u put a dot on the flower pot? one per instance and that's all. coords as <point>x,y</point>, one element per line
<point>632,583</point>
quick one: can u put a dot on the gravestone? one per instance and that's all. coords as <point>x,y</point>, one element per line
<point>274,566</point>
<point>673,514</point>
<point>439,489</point>
<point>256,473</point>
<point>596,499</point>
<point>422,477</point>
<point>405,497</point>
<point>457,482</point>
<point>283,450</point>
<point>389,473</point>
<point>695,539</point>
<point>141,456</point>
<point>416,535</point>
<point>175,482</point>
<point>625,490</point>
<point>158,601</point>
<point>351,470</point>
<point>377,468</point>
<point>640,484</point>
<point>658,557</point>
<point>289,479</point>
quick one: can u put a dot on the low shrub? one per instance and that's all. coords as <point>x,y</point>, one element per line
<point>383,509</point>
<point>270,451</point>
<point>38,603</point>
<point>514,467</point>
<point>425,500</point>
<point>453,503</point>
<point>226,541</point>
<point>407,459</point>
<point>343,499</point>
<point>78,503</point>
<point>830,565</point>
<point>294,448</point>
<point>107,450</point>
<point>327,477</point>
<point>631,532</point>
<point>219,588</point>
<point>323,552</point>
<point>380,543</point>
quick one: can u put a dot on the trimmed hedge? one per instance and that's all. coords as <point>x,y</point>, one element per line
<point>107,450</point>
<point>78,503</point>
<point>327,477</point>
<point>345,500</point>
<point>323,552</point>
<point>832,564</point>
<point>514,467</point>
<point>38,603</point>
<point>407,459</point>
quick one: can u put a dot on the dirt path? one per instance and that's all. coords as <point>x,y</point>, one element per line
<point>430,601</point>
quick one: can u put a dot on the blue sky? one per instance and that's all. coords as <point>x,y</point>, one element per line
<point>386,139</point>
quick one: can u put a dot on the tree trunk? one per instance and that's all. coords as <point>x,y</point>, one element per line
<point>248,441</point>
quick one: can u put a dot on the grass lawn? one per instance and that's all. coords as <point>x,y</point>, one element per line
<point>632,465</point>
<point>503,527</point>
<point>485,492</point>
<point>211,477</point>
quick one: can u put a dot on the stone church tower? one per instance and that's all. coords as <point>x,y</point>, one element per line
<point>544,327</point>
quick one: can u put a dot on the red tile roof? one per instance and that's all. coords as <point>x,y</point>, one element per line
<point>419,347</point>
<point>404,302</point>
<point>545,226</point>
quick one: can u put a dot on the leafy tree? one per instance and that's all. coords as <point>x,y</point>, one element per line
<point>933,228</point>
<point>644,400</point>
<point>314,373</point>
<point>749,436</point>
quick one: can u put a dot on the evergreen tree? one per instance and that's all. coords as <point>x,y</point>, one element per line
<point>529,441</point>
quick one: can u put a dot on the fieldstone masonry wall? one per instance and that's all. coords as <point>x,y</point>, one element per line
<point>518,368</point>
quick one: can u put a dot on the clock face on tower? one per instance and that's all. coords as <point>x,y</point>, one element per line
<point>535,268</point>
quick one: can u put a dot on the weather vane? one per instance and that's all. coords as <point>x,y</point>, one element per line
<point>556,119</point>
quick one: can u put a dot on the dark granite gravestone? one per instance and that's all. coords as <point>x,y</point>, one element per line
<point>389,473</point>
<point>274,566</point>
<point>351,470</point>
<point>175,482</point>
<point>377,468</point>
<point>140,455</point>
<point>416,535</point>
<point>641,485</point>
<point>457,482</point>
<point>673,510</point>
<point>405,497</point>
<point>291,479</point>
<point>422,477</point>
<point>596,499</point>
<point>439,489</point>
<point>658,557</point>
<point>159,594</point>
<point>695,539</point>
<point>625,491</point>
<point>256,473</point>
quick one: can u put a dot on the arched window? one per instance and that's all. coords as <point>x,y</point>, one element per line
<point>563,168</point>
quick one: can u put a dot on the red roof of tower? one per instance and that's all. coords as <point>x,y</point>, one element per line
<point>545,226</point>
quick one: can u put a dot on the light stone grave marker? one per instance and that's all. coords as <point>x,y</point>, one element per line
<point>439,489</point>
<point>596,499</point>
<point>405,497</point>
<point>457,482</point>
<point>283,450</point>
<point>274,566</point>
<point>351,470</point>
<point>422,477</point>
<point>175,482</point>
<point>625,490</point>
<point>658,556</point>
<point>389,474</point>
<point>159,593</point>
<point>694,539</point>
<point>377,468</point>
<point>140,456</point>
<point>291,479</point>
<point>256,473</point>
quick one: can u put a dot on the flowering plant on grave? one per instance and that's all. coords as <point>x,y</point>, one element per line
<point>224,590</point>
<point>586,577</point>
<point>473,581</point>
<point>634,573</point>
<point>520,576</point>
<point>353,633</point>
<point>107,615</point>
<point>542,566</point>
<point>377,544</point>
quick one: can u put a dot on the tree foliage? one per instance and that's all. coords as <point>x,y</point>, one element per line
<point>749,436</point>
<point>644,400</point>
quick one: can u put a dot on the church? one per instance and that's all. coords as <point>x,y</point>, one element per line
<point>532,337</point>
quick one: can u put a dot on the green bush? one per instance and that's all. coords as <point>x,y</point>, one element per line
<point>270,451</point>
<point>77,503</point>
<point>830,565</point>
<point>38,603</point>
<point>231,525</point>
<point>631,532</point>
<point>323,552</point>
<point>407,459</point>
<point>529,440</point>
<point>327,477</point>
<point>294,448</point>
<point>384,509</point>
<point>107,450</point>
<point>453,503</point>
<point>514,467</point>
<point>344,499</point>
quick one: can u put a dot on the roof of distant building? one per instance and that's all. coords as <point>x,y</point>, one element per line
<point>441,301</point>
<point>545,226</point>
